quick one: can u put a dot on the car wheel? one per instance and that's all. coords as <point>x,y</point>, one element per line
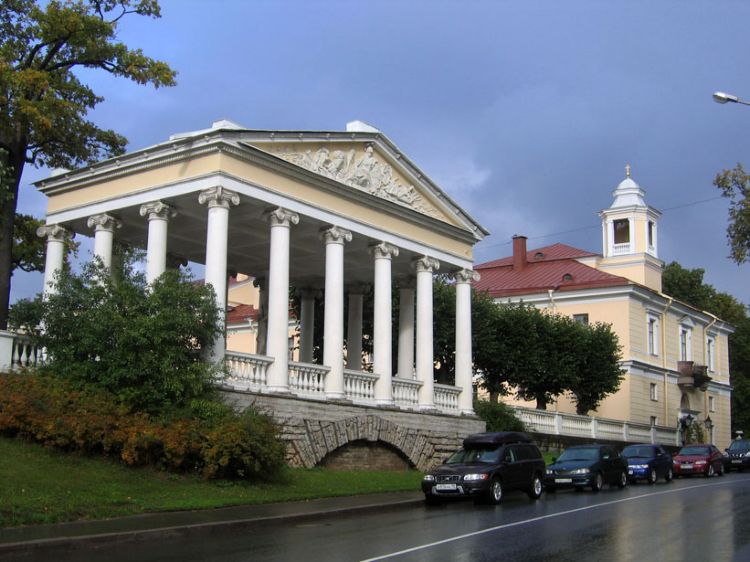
<point>623,480</point>
<point>598,482</point>
<point>496,491</point>
<point>535,491</point>
<point>652,476</point>
<point>668,477</point>
<point>709,471</point>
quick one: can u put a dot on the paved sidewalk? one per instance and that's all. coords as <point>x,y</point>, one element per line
<point>153,525</point>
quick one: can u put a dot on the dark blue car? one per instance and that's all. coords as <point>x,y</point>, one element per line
<point>648,462</point>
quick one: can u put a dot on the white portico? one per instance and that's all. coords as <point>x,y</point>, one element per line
<point>323,213</point>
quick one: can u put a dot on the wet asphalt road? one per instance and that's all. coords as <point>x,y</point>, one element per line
<point>688,519</point>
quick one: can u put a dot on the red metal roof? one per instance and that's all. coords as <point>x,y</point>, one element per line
<point>551,267</point>
<point>241,313</point>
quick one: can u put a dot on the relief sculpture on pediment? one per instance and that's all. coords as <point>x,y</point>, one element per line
<point>366,173</point>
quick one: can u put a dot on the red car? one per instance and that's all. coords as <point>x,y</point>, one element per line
<point>698,459</point>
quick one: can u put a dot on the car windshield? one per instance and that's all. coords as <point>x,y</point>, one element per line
<point>637,451</point>
<point>694,451</point>
<point>739,446</point>
<point>579,455</point>
<point>484,455</point>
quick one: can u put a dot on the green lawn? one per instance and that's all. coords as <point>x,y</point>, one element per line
<point>39,485</point>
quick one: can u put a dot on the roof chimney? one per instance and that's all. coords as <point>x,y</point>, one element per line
<point>519,252</point>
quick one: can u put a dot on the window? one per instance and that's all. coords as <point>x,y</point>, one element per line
<point>685,348</point>
<point>622,231</point>
<point>581,319</point>
<point>651,235</point>
<point>711,404</point>
<point>654,391</point>
<point>653,335</point>
<point>710,353</point>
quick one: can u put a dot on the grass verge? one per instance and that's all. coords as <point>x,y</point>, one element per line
<point>39,485</point>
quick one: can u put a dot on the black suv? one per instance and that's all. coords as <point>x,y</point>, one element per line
<point>737,455</point>
<point>487,466</point>
<point>587,465</point>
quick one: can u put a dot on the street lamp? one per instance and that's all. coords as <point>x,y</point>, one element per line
<point>721,97</point>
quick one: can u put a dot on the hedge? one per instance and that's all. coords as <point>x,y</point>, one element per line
<point>226,444</point>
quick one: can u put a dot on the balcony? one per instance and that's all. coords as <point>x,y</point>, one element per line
<point>692,376</point>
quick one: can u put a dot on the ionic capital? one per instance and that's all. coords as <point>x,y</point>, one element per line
<point>218,196</point>
<point>426,263</point>
<point>335,235</point>
<point>281,217</point>
<point>466,276</point>
<point>54,232</point>
<point>157,210</point>
<point>309,293</point>
<point>103,222</point>
<point>406,283</point>
<point>358,288</point>
<point>383,251</point>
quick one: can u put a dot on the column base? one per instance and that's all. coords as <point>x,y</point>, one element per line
<point>336,395</point>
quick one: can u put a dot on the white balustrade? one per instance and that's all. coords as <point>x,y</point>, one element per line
<point>406,392</point>
<point>572,425</point>
<point>246,371</point>
<point>307,379</point>
<point>620,249</point>
<point>446,398</point>
<point>359,386</point>
<point>25,354</point>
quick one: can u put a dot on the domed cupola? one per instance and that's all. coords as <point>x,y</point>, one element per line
<point>629,235</point>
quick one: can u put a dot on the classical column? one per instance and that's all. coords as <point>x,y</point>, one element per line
<point>354,328</point>
<point>382,344</point>
<point>425,358</point>
<point>307,324</point>
<point>158,214</point>
<point>277,335</point>
<point>261,336</point>
<point>104,234</point>
<point>219,200</point>
<point>333,319</point>
<point>464,278</point>
<point>406,329</point>
<point>56,237</point>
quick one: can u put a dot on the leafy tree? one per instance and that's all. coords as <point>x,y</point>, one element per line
<point>142,343</point>
<point>687,285</point>
<point>499,416</point>
<point>598,371</point>
<point>735,186</point>
<point>43,103</point>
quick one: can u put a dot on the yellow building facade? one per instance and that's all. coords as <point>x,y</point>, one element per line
<point>674,356</point>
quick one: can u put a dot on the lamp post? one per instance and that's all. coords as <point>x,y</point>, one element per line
<point>721,97</point>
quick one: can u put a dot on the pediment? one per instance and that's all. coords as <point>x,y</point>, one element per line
<point>365,167</point>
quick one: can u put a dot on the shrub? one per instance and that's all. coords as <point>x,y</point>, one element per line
<point>498,416</point>
<point>226,444</point>
<point>115,333</point>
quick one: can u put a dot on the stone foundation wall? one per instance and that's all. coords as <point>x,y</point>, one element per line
<point>313,429</point>
<point>365,455</point>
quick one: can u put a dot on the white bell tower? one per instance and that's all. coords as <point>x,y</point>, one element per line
<point>630,236</point>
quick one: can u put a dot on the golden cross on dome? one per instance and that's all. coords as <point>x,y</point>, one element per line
<point>627,170</point>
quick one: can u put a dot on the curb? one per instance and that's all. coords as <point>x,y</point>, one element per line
<point>37,546</point>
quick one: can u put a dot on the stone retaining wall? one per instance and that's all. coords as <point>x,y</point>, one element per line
<point>313,429</point>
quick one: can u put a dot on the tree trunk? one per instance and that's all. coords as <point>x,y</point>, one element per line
<point>494,397</point>
<point>541,402</point>
<point>14,162</point>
